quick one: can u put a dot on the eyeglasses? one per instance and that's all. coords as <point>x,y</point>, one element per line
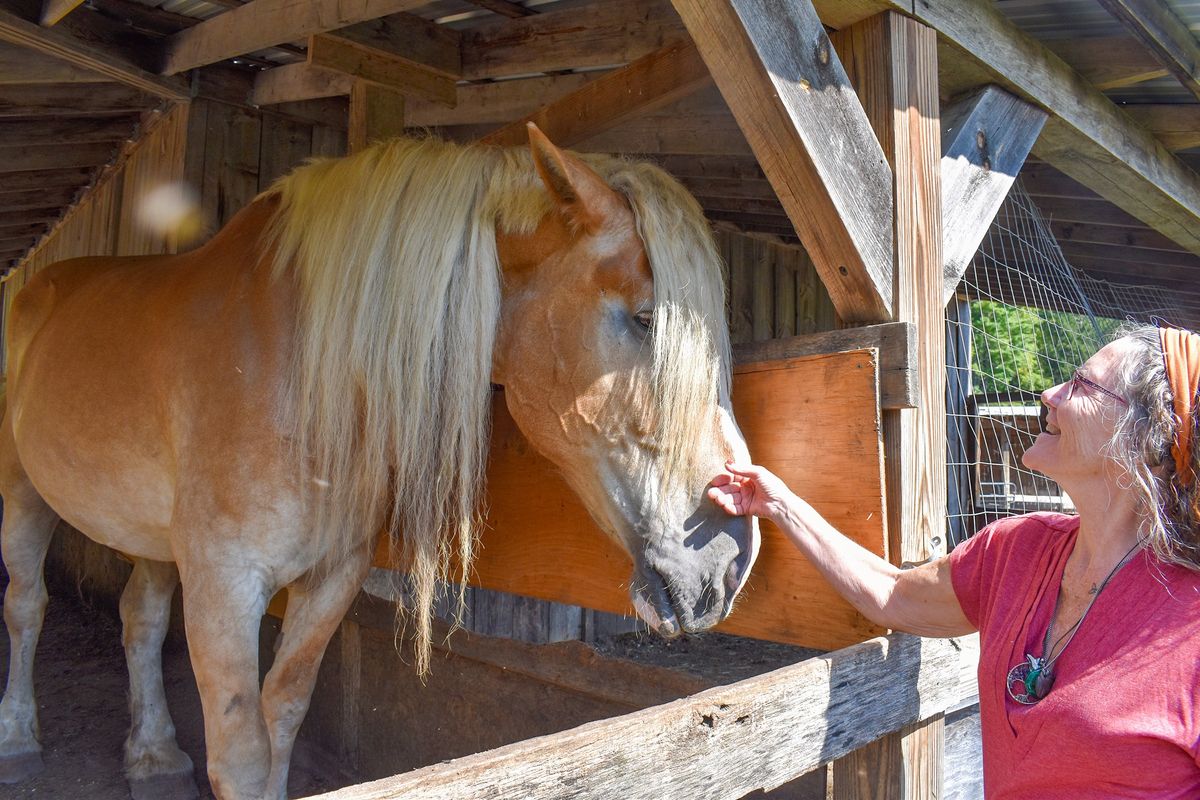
<point>1078,379</point>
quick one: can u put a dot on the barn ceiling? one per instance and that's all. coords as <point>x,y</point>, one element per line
<point>79,80</point>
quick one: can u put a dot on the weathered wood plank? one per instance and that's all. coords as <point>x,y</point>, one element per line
<point>1176,126</point>
<point>505,8</point>
<point>333,52</point>
<point>1131,238</point>
<point>376,112</point>
<point>722,743</point>
<point>649,83</point>
<point>498,102</point>
<point>67,131</point>
<point>29,158</point>
<point>41,198</point>
<point>104,60</point>
<point>297,82</point>
<point>895,343</point>
<point>596,35</point>
<point>1108,62</point>
<point>1155,25</point>
<point>985,140</point>
<point>787,89</point>
<point>264,23</point>
<point>21,65</point>
<point>72,100</point>
<point>409,37</point>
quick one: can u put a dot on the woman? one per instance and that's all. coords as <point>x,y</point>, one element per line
<point>1089,674</point>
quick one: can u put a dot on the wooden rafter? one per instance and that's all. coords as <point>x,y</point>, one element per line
<point>105,60</point>
<point>785,85</point>
<point>1155,25</point>
<point>648,83</point>
<point>265,23</point>
<point>382,67</point>
<point>595,35</point>
<point>1176,126</point>
<point>71,100</point>
<point>21,65</point>
<point>1108,62</point>
<point>296,82</point>
<point>505,8</point>
<point>28,158</point>
<point>67,131</point>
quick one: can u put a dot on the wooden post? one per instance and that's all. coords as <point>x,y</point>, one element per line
<point>376,112</point>
<point>892,61</point>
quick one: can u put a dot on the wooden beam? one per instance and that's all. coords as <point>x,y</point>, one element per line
<point>31,231</point>
<point>67,131</point>
<point>1098,211</point>
<point>1108,62</point>
<point>376,112</point>
<point>16,242</point>
<point>338,54</point>
<point>418,41</point>
<point>1039,179</point>
<point>1133,238</point>
<point>72,100</point>
<point>1140,259</point>
<point>297,82</point>
<point>594,35</point>
<point>725,742</point>
<point>649,83</point>
<point>1176,126</point>
<point>55,10</point>
<point>1087,136</point>
<point>777,71</point>
<point>265,23</point>
<point>496,102</point>
<point>98,58</point>
<point>505,8</point>
<point>895,342</point>
<point>985,139</point>
<point>21,65</point>
<point>700,134</point>
<point>28,158</point>
<point>42,216</point>
<point>28,201</point>
<point>1155,25</point>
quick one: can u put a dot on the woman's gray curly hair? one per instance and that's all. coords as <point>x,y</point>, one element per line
<point>1141,445</point>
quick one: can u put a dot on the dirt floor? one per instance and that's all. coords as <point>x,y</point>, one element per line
<point>81,685</point>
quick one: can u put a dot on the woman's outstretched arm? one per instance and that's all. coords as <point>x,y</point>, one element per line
<point>920,600</point>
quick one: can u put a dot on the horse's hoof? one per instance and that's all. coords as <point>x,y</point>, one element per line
<point>17,767</point>
<point>165,786</point>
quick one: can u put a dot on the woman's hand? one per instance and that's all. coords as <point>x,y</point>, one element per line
<point>750,490</point>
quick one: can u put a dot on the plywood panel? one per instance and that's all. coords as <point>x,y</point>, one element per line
<point>814,420</point>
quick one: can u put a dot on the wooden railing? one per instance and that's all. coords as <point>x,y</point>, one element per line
<point>728,741</point>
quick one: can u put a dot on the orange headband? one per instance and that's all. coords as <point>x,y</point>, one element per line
<point>1181,354</point>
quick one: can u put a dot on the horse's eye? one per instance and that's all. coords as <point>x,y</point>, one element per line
<point>644,318</point>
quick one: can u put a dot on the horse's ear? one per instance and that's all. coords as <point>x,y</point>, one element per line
<point>581,195</point>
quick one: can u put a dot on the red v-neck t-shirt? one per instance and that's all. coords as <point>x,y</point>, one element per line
<point>1123,718</point>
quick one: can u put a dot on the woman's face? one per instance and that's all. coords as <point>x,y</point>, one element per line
<point>1080,420</point>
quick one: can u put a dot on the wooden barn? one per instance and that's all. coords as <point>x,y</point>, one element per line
<point>851,156</point>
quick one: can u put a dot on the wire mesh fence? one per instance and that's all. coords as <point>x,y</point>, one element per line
<point>1023,319</point>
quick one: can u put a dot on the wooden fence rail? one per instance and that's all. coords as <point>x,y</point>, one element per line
<point>722,743</point>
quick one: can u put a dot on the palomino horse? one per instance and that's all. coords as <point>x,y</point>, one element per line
<point>245,417</point>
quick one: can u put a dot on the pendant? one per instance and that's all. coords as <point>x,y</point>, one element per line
<point>1030,681</point>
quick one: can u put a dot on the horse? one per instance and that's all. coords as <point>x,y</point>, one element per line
<point>248,417</point>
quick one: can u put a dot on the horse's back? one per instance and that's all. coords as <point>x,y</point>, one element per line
<point>127,375</point>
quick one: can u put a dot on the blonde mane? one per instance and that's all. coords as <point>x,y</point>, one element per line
<point>394,253</point>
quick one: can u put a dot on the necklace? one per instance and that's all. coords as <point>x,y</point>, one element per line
<point>1032,679</point>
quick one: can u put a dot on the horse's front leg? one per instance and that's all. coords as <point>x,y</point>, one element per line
<point>154,765</point>
<point>223,606</point>
<point>28,526</point>
<point>314,611</point>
